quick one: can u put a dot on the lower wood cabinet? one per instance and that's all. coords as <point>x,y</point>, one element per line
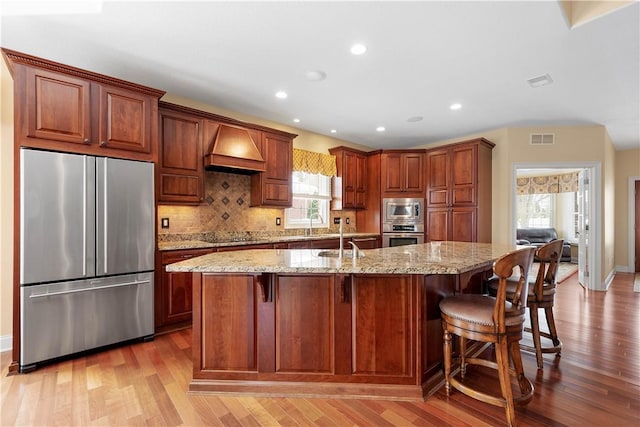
<point>173,293</point>
<point>286,333</point>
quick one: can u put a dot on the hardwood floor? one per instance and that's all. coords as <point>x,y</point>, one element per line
<point>596,382</point>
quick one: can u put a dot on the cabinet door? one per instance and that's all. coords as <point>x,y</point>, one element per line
<point>361,181</point>
<point>438,177</point>
<point>413,172</point>
<point>392,180</point>
<point>273,187</point>
<point>349,180</point>
<point>463,224</point>
<point>176,288</point>
<point>438,224</point>
<point>463,175</point>
<point>181,170</point>
<point>124,119</point>
<point>58,107</point>
<point>383,348</point>
<point>304,314</point>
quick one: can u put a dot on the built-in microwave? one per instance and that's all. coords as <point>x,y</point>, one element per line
<point>403,211</point>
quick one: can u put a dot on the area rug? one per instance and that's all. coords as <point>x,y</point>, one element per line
<point>565,270</point>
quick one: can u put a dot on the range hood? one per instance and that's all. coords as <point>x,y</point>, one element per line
<point>233,149</point>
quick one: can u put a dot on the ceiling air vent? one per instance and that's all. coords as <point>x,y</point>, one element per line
<point>542,139</point>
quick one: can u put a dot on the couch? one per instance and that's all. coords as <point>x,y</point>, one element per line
<point>539,236</point>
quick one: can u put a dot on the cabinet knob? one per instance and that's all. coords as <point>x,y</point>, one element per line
<point>86,141</point>
<point>103,142</point>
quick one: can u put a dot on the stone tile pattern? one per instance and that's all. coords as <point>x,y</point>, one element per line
<point>226,210</point>
<point>427,258</point>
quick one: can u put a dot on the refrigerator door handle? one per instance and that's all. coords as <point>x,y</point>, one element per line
<point>95,288</point>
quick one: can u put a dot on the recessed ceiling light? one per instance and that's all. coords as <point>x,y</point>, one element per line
<point>315,75</point>
<point>455,106</point>
<point>540,81</point>
<point>281,94</point>
<point>358,49</point>
<point>380,129</point>
<point>296,120</point>
<point>333,131</point>
<point>415,119</point>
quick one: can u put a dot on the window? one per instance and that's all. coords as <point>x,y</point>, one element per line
<point>311,199</point>
<point>536,210</point>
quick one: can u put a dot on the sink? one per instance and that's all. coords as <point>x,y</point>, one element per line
<point>335,253</point>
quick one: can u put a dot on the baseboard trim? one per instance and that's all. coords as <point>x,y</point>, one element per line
<point>6,342</point>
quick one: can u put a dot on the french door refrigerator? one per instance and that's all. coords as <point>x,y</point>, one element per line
<point>86,253</point>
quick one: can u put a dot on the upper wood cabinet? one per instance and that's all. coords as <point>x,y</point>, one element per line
<point>458,194</point>
<point>350,187</point>
<point>403,172</point>
<point>273,187</point>
<point>180,168</point>
<point>63,108</point>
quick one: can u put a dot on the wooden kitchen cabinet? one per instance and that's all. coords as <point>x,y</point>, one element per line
<point>402,173</point>
<point>350,185</point>
<point>173,294</point>
<point>458,194</point>
<point>180,167</point>
<point>273,187</point>
<point>367,242</point>
<point>63,108</point>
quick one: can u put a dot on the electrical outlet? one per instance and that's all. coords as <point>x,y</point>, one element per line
<point>164,222</point>
<point>348,221</point>
<point>278,221</point>
<point>336,220</point>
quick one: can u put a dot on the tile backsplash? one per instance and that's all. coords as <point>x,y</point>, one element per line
<point>226,210</point>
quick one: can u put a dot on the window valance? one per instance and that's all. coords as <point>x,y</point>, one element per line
<point>312,162</point>
<point>564,183</point>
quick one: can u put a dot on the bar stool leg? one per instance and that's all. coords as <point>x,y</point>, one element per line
<point>502,360</point>
<point>447,361</point>
<point>463,355</point>
<point>535,329</point>
<point>551,323</point>
<point>526,388</point>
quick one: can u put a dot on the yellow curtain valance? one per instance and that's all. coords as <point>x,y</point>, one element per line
<point>565,183</point>
<point>312,162</point>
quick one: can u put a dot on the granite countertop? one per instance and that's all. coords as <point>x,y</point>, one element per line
<point>202,244</point>
<point>427,258</point>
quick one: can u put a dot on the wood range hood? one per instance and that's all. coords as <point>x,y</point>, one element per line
<point>233,149</point>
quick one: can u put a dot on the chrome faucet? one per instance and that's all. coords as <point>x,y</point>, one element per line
<point>355,250</point>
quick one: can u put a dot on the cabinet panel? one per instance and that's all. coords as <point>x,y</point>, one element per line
<point>304,324</point>
<point>58,107</point>
<point>230,329</point>
<point>350,187</point>
<point>273,187</point>
<point>413,165</point>
<point>174,301</point>
<point>180,169</point>
<point>438,178</point>
<point>383,312</point>
<point>464,162</point>
<point>463,224</point>
<point>125,120</point>
<point>437,224</point>
<point>403,172</point>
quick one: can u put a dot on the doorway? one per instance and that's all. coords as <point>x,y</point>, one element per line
<point>634,224</point>
<point>586,215</point>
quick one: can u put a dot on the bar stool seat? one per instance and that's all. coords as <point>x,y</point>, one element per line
<point>493,320</point>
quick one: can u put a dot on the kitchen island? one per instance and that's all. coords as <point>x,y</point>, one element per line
<point>307,323</point>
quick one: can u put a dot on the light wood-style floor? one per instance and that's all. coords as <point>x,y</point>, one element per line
<point>596,382</point>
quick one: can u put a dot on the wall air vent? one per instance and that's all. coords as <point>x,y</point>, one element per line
<point>542,139</point>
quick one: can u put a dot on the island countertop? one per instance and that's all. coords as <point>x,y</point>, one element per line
<point>427,258</point>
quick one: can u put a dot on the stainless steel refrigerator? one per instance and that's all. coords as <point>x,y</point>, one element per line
<point>87,253</point>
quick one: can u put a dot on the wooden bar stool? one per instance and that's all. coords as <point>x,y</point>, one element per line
<point>498,320</point>
<point>542,292</point>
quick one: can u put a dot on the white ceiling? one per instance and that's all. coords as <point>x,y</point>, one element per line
<point>422,57</point>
